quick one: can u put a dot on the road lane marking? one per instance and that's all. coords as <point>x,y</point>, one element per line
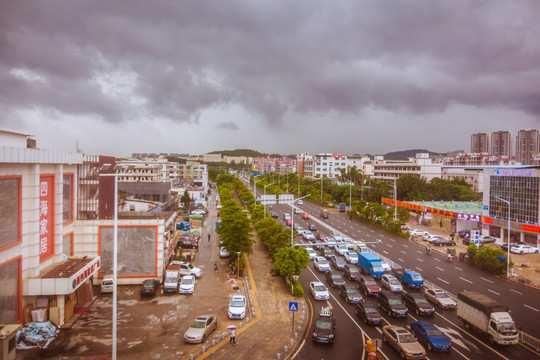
<point>403,252</point>
<point>417,268</point>
<point>405,245</point>
<point>420,252</point>
<point>470,282</point>
<point>517,292</point>
<point>530,307</point>
<point>400,259</point>
<point>437,259</point>
<point>444,281</point>
<point>390,239</point>
<point>436,267</point>
<point>419,259</point>
<point>489,281</point>
<point>389,245</point>
<point>373,231</point>
<point>386,252</point>
<point>496,293</point>
<point>379,330</point>
<point>460,269</point>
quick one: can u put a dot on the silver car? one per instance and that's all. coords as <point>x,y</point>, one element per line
<point>403,341</point>
<point>200,328</point>
<point>440,298</point>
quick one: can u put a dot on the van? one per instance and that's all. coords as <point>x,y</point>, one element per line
<point>107,284</point>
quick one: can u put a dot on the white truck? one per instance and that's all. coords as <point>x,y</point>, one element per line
<point>172,275</point>
<point>487,315</point>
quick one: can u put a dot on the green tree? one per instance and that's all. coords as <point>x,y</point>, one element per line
<point>290,261</point>
<point>411,187</point>
<point>185,199</point>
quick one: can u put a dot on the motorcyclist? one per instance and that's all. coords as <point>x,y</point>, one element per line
<point>428,248</point>
<point>448,257</point>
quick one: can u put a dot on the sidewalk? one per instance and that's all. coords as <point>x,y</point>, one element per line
<point>268,335</point>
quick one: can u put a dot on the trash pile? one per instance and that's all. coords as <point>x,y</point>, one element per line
<point>36,334</point>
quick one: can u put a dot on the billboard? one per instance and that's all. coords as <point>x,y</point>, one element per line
<point>46,217</point>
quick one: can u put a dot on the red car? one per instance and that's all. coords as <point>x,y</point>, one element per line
<point>289,222</point>
<point>305,216</point>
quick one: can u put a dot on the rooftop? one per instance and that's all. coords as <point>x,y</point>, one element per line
<point>456,206</point>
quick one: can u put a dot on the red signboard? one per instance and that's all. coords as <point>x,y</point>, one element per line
<point>46,217</point>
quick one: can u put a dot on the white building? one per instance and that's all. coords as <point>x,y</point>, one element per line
<point>472,175</point>
<point>421,165</point>
<point>324,165</point>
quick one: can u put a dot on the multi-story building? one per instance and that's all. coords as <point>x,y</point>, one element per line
<point>501,144</point>
<point>421,165</point>
<point>473,175</point>
<point>479,159</point>
<point>527,146</point>
<point>211,158</point>
<point>300,159</point>
<point>480,143</point>
<point>324,165</point>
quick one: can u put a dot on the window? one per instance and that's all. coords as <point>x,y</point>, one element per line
<point>10,211</point>
<point>67,198</point>
<point>9,299</point>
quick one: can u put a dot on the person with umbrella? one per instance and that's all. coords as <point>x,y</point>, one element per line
<point>232,335</point>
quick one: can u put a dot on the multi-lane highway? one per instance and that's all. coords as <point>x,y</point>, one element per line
<point>351,333</point>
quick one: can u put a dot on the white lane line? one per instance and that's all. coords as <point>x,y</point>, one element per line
<point>386,252</point>
<point>496,293</point>
<point>444,281</point>
<point>390,239</point>
<point>379,330</point>
<point>373,231</point>
<point>381,235</point>
<point>489,281</point>
<point>359,231</point>
<point>517,292</point>
<point>419,259</point>
<point>403,252</point>
<point>470,282</point>
<point>436,267</point>
<point>417,268</point>
<point>405,245</point>
<point>437,259</point>
<point>460,269</point>
<point>368,235</point>
<point>420,252</point>
<point>400,259</point>
<point>530,307</point>
<point>389,245</point>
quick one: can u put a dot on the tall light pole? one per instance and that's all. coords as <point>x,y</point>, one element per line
<point>287,182</point>
<point>322,180</point>
<point>508,250</point>
<point>395,197</point>
<point>265,197</point>
<point>255,190</point>
<point>292,218</point>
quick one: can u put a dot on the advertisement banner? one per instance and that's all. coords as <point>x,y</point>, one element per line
<point>46,217</point>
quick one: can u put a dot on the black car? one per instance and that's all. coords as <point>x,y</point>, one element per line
<point>338,263</point>
<point>149,287</point>
<point>350,293</point>
<point>463,233</point>
<point>392,304</point>
<point>274,214</point>
<point>333,279</point>
<point>327,253</point>
<point>368,313</point>
<point>312,227</point>
<point>418,303</point>
<point>186,243</point>
<point>324,328</point>
<point>368,285</point>
<point>351,272</point>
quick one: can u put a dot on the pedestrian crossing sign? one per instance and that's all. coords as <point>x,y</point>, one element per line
<point>293,306</point>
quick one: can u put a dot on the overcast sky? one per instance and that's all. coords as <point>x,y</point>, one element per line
<point>275,76</point>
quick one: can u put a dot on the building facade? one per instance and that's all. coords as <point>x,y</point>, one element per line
<point>527,146</point>
<point>501,143</point>
<point>422,165</point>
<point>480,143</point>
<point>324,165</point>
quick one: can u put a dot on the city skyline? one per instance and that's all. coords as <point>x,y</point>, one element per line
<point>353,78</point>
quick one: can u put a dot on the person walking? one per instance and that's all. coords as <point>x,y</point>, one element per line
<point>209,235</point>
<point>232,339</point>
<point>215,266</point>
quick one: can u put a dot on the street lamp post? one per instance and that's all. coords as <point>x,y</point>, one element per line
<point>265,197</point>
<point>508,250</point>
<point>238,268</point>
<point>255,190</point>
<point>292,218</point>
<point>395,197</point>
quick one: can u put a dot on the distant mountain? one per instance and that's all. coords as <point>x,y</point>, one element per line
<point>405,154</point>
<point>244,152</point>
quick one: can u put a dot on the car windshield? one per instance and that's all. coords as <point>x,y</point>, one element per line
<point>336,276</point>
<point>352,291</point>
<point>107,282</point>
<point>434,332</point>
<point>417,278</point>
<point>187,281</point>
<point>370,310</point>
<point>441,295</point>
<point>198,324</point>
<point>148,284</point>
<point>353,270</point>
<point>394,301</point>
<point>340,261</point>
<point>324,324</point>
<point>237,303</point>
<point>392,281</point>
<point>319,288</point>
<point>323,261</point>
<point>370,282</point>
<point>406,338</point>
<point>377,269</point>
<point>171,279</point>
<point>506,327</point>
<point>420,300</point>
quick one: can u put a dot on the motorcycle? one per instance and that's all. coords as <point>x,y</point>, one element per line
<point>449,258</point>
<point>428,250</point>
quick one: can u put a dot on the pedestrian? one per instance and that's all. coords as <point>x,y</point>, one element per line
<point>232,336</point>
<point>215,265</point>
<point>209,237</point>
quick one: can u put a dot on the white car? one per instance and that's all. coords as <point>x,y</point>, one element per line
<point>187,268</point>
<point>300,230</point>
<point>223,253</point>
<point>417,232</point>
<point>321,264</point>
<point>330,241</point>
<point>237,307</point>
<point>297,211</point>
<point>391,283</point>
<point>300,202</point>
<point>198,212</point>
<point>341,249</point>
<point>337,236</point>
<point>440,298</point>
<point>524,249</point>
<point>312,253</point>
<point>385,266</point>
<point>187,285</point>
<point>308,235</point>
<point>318,290</point>
<point>351,257</point>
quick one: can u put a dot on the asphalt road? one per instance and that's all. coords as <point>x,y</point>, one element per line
<point>351,333</point>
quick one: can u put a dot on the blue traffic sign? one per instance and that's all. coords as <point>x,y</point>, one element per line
<point>502,258</point>
<point>293,306</point>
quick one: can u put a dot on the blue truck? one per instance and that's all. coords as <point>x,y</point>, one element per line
<point>342,207</point>
<point>184,225</point>
<point>410,278</point>
<point>370,264</point>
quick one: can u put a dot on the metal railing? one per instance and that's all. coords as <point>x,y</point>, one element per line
<point>529,340</point>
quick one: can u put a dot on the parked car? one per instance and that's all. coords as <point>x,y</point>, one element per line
<point>187,285</point>
<point>312,253</point>
<point>300,202</point>
<point>200,328</point>
<point>305,216</point>
<point>149,287</point>
<point>324,328</point>
<point>351,257</point>
<point>349,293</point>
<point>274,214</point>
<point>312,227</point>
<point>417,303</point>
<point>417,232</point>
<point>440,298</point>
<point>351,272</point>
<point>198,212</point>
<point>368,286</point>
<point>403,342</point>
<point>368,313</point>
<point>223,253</point>
<point>318,290</point>
<point>333,279</point>
<point>524,249</point>
<point>429,335</point>
<point>486,239</point>
<point>237,307</point>
<point>505,246</point>
<point>431,238</point>
<point>391,283</point>
<point>308,235</point>
<point>464,233</point>
<point>442,241</point>
<point>321,264</point>
<point>426,235</point>
<point>187,269</point>
<point>338,263</point>
<point>392,304</point>
<point>107,284</point>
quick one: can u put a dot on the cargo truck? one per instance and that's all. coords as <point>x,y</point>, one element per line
<point>172,275</point>
<point>324,213</point>
<point>411,279</point>
<point>479,311</point>
<point>342,207</point>
<point>370,264</point>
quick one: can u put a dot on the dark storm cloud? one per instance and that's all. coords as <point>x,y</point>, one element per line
<point>270,57</point>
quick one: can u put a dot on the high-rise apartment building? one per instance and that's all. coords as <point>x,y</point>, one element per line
<point>480,143</point>
<point>501,143</point>
<point>527,145</point>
